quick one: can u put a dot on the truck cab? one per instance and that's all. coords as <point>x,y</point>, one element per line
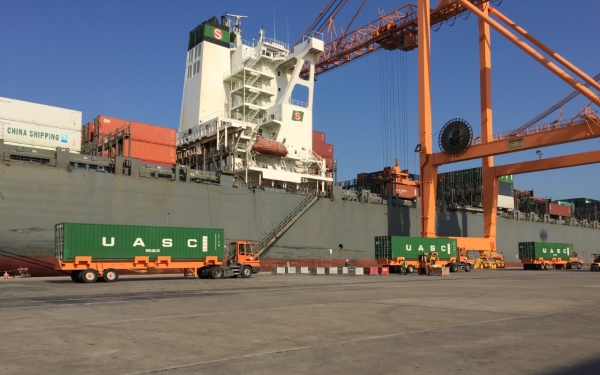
<point>240,259</point>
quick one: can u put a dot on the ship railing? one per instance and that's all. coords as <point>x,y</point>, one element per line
<point>298,103</point>
<point>276,43</point>
<point>312,34</point>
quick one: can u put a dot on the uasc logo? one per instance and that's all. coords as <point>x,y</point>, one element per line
<point>218,34</point>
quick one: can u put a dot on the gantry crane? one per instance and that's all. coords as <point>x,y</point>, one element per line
<point>409,27</point>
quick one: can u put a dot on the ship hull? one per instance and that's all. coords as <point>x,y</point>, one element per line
<point>34,198</point>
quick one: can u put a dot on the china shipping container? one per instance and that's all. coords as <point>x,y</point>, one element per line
<point>139,131</point>
<point>392,247</point>
<point>147,152</point>
<point>559,210</point>
<point>545,250</point>
<point>505,189</point>
<point>318,137</point>
<point>122,242</point>
<point>40,114</point>
<point>22,133</point>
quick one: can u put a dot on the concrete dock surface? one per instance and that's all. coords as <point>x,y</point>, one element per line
<point>483,322</point>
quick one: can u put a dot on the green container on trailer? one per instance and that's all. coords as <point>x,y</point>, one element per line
<point>392,247</point>
<point>545,250</point>
<point>123,242</point>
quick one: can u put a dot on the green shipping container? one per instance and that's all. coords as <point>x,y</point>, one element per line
<point>122,242</point>
<point>392,247</point>
<point>545,250</point>
<point>507,179</point>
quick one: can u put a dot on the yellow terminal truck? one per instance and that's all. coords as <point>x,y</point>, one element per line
<point>92,252</point>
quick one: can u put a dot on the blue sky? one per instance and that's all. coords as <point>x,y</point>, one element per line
<point>127,59</point>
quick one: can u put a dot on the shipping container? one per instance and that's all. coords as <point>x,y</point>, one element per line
<point>87,132</point>
<point>39,114</point>
<point>139,131</point>
<point>149,152</point>
<point>545,250</point>
<point>123,242</point>
<point>392,247</point>
<point>507,179</point>
<point>402,191</point>
<point>506,202</point>
<point>559,210</point>
<point>505,189</point>
<point>323,149</point>
<point>28,134</point>
<point>318,137</point>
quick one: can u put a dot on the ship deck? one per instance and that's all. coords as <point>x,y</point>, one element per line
<point>483,322</point>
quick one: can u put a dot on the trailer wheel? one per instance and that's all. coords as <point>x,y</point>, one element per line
<point>546,267</point>
<point>246,272</point>
<point>204,273</point>
<point>89,276</point>
<point>468,267</point>
<point>110,275</point>
<point>75,276</point>
<point>410,268</point>
<point>578,266</point>
<point>216,273</point>
<point>454,267</point>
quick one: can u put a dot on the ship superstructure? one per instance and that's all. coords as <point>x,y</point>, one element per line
<point>240,111</point>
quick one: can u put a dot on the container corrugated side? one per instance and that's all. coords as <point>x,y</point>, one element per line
<point>36,135</point>
<point>40,114</point>
<point>150,152</point>
<point>123,242</point>
<point>139,131</point>
<point>545,250</point>
<point>505,201</point>
<point>559,210</point>
<point>392,247</point>
<point>318,136</point>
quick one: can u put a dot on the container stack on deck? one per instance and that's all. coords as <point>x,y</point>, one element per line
<point>149,143</point>
<point>324,150</point>
<point>582,208</point>
<point>31,124</point>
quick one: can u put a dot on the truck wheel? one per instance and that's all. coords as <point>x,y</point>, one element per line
<point>216,273</point>
<point>454,267</point>
<point>203,273</point>
<point>110,275</point>
<point>468,267</point>
<point>410,269</point>
<point>89,276</point>
<point>75,276</point>
<point>546,267</point>
<point>246,272</point>
<point>578,266</point>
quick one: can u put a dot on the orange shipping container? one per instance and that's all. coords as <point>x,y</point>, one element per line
<point>139,131</point>
<point>87,132</point>
<point>324,150</point>
<point>150,152</point>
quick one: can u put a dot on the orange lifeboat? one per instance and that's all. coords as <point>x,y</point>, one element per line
<point>268,147</point>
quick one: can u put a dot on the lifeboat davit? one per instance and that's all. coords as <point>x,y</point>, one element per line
<point>268,147</point>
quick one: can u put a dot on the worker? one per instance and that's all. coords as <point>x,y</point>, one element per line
<point>347,264</point>
<point>403,267</point>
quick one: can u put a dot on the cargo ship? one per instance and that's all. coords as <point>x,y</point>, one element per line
<point>245,159</point>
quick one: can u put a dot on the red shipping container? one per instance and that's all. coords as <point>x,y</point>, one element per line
<point>323,149</point>
<point>139,131</point>
<point>384,270</point>
<point>403,191</point>
<point>328,163</point>
<point>318,136</point>
<point>371,270</point>
<point>559,210</point>
<point>87,132</point>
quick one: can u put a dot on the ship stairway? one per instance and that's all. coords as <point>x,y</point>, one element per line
<point>252,79</point>
<point>251,114</point>
<point>286,223</point>
<point>250,63</point>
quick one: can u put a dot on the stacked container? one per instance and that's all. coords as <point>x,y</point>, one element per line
<point>324,150</point>
<point>149,143</point>
<point>582,208</point>
<point>38,125</point>
<point>465,187</point>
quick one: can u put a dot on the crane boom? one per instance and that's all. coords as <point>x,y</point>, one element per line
<point>394,30</point>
